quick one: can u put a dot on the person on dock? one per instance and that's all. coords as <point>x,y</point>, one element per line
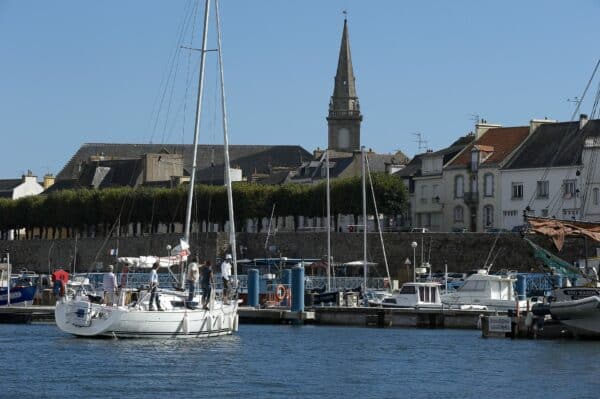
<point>109,284</point>
<point>206,281</point>
<point>226,276</point>
<point>192,280</point>
<point>154,288</point>
<point>60,278</point>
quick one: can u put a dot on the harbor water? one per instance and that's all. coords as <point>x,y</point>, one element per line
<point>39,361</point>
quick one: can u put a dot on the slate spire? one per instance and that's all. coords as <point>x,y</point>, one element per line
<point>344,92</point>
<point>344,116</point>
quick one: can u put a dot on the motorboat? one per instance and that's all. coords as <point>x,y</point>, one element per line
<point>486,292</point>
<point>15,289</point>
<point>415,295</point>
<point>578,308</point>
<point>375,297</point>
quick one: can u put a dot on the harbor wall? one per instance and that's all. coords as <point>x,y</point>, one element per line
<point>461,251</point>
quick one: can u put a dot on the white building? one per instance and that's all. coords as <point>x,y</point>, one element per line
<point>554,174</point>
<point>18,188</point>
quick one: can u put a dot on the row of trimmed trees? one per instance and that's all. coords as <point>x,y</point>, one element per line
<point>86,209</point>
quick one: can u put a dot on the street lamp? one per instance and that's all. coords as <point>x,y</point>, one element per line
<point>414,247</point>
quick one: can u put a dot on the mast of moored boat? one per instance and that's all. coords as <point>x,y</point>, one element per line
<point>232,241</point>
<point>188,213</point>
<point>364,209</point>
<point>328,223</point>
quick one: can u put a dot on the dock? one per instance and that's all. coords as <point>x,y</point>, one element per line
<point>27,314</point>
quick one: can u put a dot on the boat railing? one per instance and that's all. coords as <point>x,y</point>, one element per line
<point>166,280</point>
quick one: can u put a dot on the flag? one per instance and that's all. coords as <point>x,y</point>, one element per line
<point>114,251</point>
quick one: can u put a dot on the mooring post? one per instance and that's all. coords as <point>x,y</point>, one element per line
<point>253,287</point>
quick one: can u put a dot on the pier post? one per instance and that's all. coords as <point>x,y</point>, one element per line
<point>521,286</point>
<point>253,287</point>
<point>298,289</point>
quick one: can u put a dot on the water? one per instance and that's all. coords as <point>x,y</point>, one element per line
<point>287,361</point>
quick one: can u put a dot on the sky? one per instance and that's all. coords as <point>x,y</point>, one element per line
<point>74,72</point>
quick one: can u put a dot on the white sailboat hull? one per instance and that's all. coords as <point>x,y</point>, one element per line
<point>581,315</point>
<point>86,319</point>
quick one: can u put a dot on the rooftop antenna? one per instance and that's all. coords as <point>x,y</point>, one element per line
<point>345,14</point>
<point>576,100</point>
<point>421,142</point>
<point>475,117</point>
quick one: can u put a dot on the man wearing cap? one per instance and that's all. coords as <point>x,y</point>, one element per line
<point>109,283</point>
<point>226,276</point>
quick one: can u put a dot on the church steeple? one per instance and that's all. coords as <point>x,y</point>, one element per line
<point>344,109</point>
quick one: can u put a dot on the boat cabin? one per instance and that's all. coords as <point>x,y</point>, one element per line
<point>415,295</point>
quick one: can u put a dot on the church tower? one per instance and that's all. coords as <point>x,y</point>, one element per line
<point>344,110</point>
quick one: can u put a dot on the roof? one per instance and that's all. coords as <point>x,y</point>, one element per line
<point>250,158</point>
<point>554,144</point>
<point>7,186</point>
<point>500,142</point>
<point>413,169</point>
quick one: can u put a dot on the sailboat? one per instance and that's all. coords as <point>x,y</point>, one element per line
<point>80,316</point>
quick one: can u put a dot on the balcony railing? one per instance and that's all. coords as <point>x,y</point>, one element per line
<point>471,198</point>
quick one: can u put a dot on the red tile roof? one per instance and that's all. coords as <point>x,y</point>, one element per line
<point>500,141</point>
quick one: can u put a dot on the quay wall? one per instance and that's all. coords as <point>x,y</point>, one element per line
<point>461,251</point>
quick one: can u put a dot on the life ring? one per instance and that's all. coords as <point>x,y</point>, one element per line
<point>280,292</point>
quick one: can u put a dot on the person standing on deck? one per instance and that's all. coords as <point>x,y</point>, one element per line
<point>154,288</point>
<point>109,284</point>
<point>192,280</point>
<point>226,276</point>
<point>206,282</point>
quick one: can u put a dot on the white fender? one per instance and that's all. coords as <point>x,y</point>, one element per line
<point>236,322</point>
<point>185,324</point>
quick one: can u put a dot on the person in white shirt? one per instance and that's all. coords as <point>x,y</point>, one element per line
<point>109,283</point>
<point>154,288</point>
<point>193,275</point>
<point>226,276</point>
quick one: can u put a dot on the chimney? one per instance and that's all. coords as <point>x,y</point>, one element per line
<point>48,181</point>
<point>583,120</point>
<point>29,177</point>
<point>484,126</point>
<point>535,123</point>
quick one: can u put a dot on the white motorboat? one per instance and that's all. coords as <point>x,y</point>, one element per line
<point>485,291</point>
<point>415,295</point>
<point>176,317</point>
<point>579,309</point>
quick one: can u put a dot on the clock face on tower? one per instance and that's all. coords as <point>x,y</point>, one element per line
<point>343,138</point>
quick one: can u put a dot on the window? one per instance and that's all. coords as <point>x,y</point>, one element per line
<point>408,289</point>
<point>596,196</point>
<point>545,212</point>
<point>517,191</point>
<point>569,186</point>
<point>488,185</point>
<point>543,188</point>
<point>434,194</point>
<point>459,215</point>
<point>474,285</point>
<point>488,216</point>
<point>459,186</point>
<point>510,213</point>
<point>423,194</point>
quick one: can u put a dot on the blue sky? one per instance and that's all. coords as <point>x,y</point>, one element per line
<point>75,72</point>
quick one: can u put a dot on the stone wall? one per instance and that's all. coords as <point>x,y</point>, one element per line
<point>461,251</point>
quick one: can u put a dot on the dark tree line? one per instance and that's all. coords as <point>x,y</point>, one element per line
<point>84,210</point>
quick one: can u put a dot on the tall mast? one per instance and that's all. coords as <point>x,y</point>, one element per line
<point>364,205</point>
<point>328,224</point>
<point>188,213</point>
<point>226,150</point>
